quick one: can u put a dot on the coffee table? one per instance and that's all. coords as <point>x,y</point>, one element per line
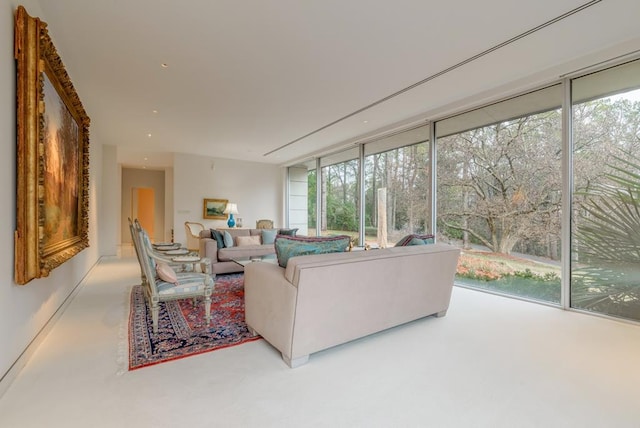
<point>270,258</point>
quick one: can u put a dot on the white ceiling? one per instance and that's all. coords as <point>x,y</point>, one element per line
<point>245,78</point>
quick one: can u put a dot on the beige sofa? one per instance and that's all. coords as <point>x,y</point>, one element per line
<point>323,300</point>
<point>222,259</point>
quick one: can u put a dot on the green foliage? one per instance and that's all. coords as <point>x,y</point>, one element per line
<point>607,278</point>
<point>311,201</point>
<point>341,216</point>
<point>371,231</point>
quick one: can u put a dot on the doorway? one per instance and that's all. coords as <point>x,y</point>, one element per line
<point>143,208</point>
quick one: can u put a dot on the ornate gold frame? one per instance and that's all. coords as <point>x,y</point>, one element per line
<point>219,202</point>
<point>37,58</point>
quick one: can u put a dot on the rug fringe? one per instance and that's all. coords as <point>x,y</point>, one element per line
<point>122,352</point>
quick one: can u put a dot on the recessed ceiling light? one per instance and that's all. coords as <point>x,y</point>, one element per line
<point>365,121</point>
<point>149,135</point>
<point>164,65</point>
<point>155,111</point>
<point>146,158</point>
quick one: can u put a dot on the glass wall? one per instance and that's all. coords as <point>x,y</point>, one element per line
<point>605,273</point>
<point>339,193</point>
<point>312,200</point>
<point>499,194</point>
<point>397,187</point>
<point>500,171</point>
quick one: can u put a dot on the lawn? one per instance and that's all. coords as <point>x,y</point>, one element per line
<point>509,274</point>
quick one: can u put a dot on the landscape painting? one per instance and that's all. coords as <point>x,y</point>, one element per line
<point>61,164</point>
<point>213,209</point>
<point>52,157</point>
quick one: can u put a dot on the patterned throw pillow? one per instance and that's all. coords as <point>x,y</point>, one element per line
<point>166,273</point>
<point>426,239</point>
<point>291,246</point>
<point>248,240</point>
<point>268,236</point>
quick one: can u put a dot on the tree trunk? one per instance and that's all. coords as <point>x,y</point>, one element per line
<point>382,220</point>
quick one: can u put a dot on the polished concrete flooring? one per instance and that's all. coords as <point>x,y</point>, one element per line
<point>491,362</point>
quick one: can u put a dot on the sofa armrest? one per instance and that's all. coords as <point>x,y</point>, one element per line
<point>209,249</point>
<point>270,304</point>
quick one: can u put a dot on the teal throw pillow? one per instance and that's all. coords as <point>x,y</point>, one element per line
<point>291,246</point>
<point>288,232</point>
<point>427,239</point>
<point>228,239</point>
<point>268,236</point>
<point>416,241</point>
<point>218,237</point>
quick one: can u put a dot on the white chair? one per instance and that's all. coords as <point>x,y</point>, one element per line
<point>189,285</point>
<point>193,235</point>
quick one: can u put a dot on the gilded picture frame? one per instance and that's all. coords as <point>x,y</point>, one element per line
<point>212,209</point>
<point>52,197</point>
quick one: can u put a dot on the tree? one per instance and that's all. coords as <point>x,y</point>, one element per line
<point>500,183</point>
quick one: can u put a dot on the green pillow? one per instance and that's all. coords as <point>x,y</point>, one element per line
<point>218,237</point>
<point>416,241</point>
<point>427,239</point>
<point>268,236</point>
<point>291,246</point>
<point>288,232</point>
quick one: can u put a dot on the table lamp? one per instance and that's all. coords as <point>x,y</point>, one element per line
<point>231,209</point>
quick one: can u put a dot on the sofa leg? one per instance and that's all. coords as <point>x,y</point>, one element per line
<point>296,362</point>
<point>252,332</point>
<point>441,314</point>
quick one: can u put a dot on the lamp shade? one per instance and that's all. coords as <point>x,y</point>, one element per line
<point>231,209</point>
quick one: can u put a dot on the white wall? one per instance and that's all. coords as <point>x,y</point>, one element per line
<point>110,212</point>
<point>256,188</point>
<point>24,310</point>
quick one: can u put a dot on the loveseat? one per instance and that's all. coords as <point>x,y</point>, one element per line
<point>222,258</point>
<point>322,300</point>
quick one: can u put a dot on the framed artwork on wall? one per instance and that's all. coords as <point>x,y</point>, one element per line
<point>52,222</point>
<point>213,209</point>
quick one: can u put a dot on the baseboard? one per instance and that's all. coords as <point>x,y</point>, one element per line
<point>7,379</point>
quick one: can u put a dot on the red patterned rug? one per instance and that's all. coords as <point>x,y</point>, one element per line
<point>182,331</point>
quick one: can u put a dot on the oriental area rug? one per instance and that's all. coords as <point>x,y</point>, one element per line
<point>182,331</point>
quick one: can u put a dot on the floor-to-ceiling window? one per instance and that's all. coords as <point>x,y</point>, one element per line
<point>500,174</point>
<point>339,193</point>
<point>499,194</point>
<point>397,187</point>
<point>605,274</point>
<point>312,200</point>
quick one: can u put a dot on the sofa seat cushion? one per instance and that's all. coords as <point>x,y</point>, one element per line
<point>185,284</point>
<point>244,251</point>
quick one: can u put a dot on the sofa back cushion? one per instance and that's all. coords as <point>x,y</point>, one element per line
<point>291,246</point>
